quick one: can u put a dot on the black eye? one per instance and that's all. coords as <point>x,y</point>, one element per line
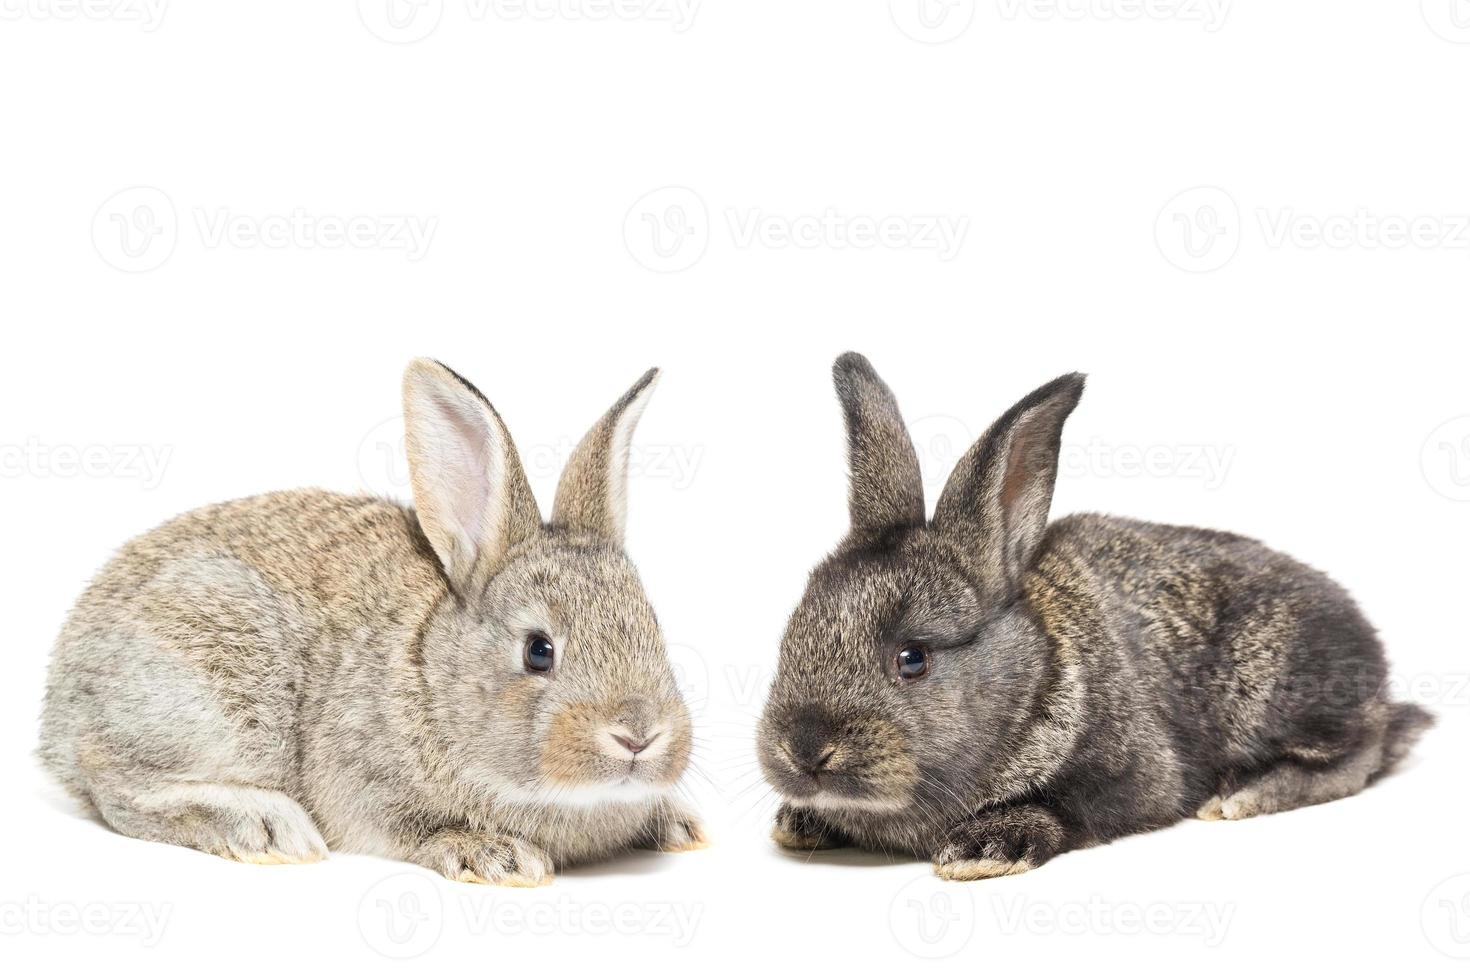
<point>912,662</point>
<point>540,654</point>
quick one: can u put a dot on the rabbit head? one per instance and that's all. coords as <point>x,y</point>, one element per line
<point>544,674</point>
<point>910,666</point>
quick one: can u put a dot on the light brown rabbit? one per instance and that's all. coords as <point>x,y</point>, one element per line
<point>463,686</point>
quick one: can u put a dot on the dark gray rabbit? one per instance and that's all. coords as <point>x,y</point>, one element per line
<point>988,690</point>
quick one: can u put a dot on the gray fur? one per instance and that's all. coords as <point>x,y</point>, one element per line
<point>885,488</point>
<point>1087,679</point>
<point>272,677</point>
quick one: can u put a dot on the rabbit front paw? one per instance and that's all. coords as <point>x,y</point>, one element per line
<point>798,829</point>
<point>675,830</point>
<point>1004,841</point>
<point>485,858</point>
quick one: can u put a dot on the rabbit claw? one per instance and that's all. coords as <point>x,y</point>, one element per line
<point>998,843</point>
<point>486,858</point>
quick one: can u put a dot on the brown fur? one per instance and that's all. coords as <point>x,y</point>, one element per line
<point>267,678</point>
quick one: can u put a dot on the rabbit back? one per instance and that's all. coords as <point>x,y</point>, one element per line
<point>1203,657</point>
<point>211,647</point>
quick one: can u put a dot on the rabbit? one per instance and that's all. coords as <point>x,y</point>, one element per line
<point>458,685</point>
<point>986,690</point>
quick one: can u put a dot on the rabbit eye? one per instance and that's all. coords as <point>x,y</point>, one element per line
<point>912,663</point>
<point>540,653</point>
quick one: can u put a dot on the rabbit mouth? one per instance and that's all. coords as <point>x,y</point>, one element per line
<point>816,758</point>
<point>624,751</point>
<point>822,785</point>
<point>603,778</point>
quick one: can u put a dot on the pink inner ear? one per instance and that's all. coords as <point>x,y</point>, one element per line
<point>1018,470</point>
<point>466,465</point>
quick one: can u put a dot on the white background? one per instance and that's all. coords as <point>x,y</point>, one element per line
<point>1246,221</point>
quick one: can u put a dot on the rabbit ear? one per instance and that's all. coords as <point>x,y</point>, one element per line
<point>592,496</point>
<point>996,502</point>
<point>471,494</point>
<point>885,488</point>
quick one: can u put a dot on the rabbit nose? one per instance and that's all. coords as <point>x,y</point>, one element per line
<point>634,745</point>
<point>811,741</point>
<point>628,743</point>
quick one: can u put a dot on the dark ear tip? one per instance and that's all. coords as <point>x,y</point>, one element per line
<point>1072,385</point>
<point>645,382</point>
<point>421,366</point>
<point>849,365</point>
